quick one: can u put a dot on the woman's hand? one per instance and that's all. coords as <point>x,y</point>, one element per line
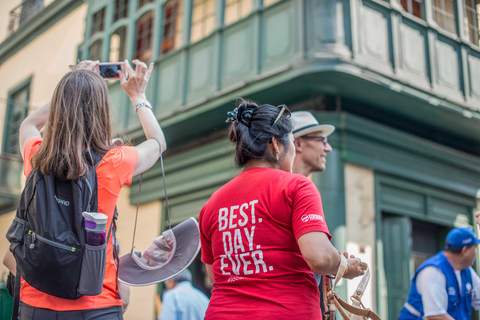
<point>355,267</point>
<point>89,65</point>
<point>137,80</point>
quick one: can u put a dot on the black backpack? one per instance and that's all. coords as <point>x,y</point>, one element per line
<point>47,236</point>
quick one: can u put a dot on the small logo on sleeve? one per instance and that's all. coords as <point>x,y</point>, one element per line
<point>310,217</point>
<point>452,291</point>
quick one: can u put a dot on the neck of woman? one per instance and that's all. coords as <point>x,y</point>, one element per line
<point>261,163</point>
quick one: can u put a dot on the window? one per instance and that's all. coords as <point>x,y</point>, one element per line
<point>269,2</point>
<point>141,3</point>
<point>96,50</point>
<point>172,26</point>
<point>472,13</point>
<point>98,21</point>
<point>413,6</point>
<point>237,9</point>
<point>203,19</point>
<point>444,14</point>
<point>121,9</point>
<point>117,45</point>
<point>143,49</point>
<point>17,110</point>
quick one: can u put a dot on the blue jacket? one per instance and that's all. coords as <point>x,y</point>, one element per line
<point>459,305</point>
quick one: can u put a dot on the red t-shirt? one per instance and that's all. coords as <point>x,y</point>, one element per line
<point>249,230</point>
<point>115,170</point>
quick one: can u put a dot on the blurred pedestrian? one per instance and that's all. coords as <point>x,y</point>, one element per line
<point>182,301</point>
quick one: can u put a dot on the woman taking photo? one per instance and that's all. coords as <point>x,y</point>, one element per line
<point>264,231</point>
<point>77,119</point>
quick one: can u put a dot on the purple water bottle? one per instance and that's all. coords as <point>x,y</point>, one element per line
<point>95,226</point>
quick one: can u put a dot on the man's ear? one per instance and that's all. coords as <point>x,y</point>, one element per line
<point>298,145</point>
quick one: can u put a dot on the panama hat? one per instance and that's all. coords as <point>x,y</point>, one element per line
<point>167,256</point>
<point>305,123</point>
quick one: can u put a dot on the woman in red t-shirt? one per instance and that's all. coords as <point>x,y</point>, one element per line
<point>264,231</point>
<point>77,118</point>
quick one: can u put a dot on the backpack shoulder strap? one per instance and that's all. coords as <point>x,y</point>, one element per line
<point>16,297</point>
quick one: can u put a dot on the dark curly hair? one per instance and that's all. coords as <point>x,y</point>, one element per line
<point>253,128</point>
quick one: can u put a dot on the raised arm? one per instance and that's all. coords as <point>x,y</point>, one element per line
<point>32,125</point>
<point>150,150</point>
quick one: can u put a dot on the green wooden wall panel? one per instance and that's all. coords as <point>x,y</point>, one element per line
<point>119,99</point>
<point>401,200</point>
<point>474,61</point>
<point>397,244</point>
<point>448,61</point>
<point>200,70</point>
<point>455,213</point>
<point>277,43</point>
<point>169,94</point>
<point>413,48</point>
<point>237,54</point>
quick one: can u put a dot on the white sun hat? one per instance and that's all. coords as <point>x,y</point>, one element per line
<point>166,257</point>
<point>305,123</point>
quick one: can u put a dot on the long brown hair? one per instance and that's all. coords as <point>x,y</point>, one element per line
<point>79,118</point>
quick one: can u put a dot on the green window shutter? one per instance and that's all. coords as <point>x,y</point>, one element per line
<point>397,247</point>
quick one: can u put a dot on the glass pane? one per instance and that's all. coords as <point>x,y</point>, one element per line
<point>449,7</point>
<point>121,9</point>
<point>143,51</point>
<point>269,2</point>
<point>172,26</point>
<point>117,45</point>
<point>404,4</point>
<point>196,33</point>
<point>247,6</point>
<point>203,19</point>
<point>210,7</point>
<point>417,9</point>
<point>209,25</point>
<point>450,25</point>
<point>18,106</point>
<point>231,13</point>
<point>98,19</point>
<point>96,50</point>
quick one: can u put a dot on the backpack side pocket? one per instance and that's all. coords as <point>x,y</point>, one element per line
<point>93,270</point>
<point>15,233</point>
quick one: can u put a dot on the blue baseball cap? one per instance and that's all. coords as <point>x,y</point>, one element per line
<point>460,237</point>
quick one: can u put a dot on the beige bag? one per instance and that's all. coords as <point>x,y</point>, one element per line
<point>332,302</point>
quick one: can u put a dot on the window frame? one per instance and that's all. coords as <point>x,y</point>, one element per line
<point>9,112</point>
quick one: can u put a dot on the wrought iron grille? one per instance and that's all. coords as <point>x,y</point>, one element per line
<point>22,13</point>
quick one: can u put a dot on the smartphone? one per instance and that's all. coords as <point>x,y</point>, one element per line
<point>109,70</point>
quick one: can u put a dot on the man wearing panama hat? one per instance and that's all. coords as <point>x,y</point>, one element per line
<point>311,143</point>
<point>311,147</point>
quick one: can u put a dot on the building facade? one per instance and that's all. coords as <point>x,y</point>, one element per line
<point>400,80</point>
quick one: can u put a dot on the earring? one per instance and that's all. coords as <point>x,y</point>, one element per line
<point>278,157</point>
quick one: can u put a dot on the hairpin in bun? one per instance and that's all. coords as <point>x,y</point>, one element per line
<point>241,114</point>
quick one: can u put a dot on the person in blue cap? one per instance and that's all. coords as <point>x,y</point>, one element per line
<point>445,286</point>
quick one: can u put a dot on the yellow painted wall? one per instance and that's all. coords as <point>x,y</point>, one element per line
<point>142,299</point>
<point>45,59</point>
